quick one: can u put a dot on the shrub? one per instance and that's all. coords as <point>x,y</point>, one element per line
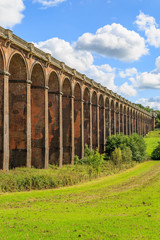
<point>116,157</point>
<point>126,154</point>
<point>118,141</point>
<point>156,153</point>
<point>138,147</point>
<point>135,142</point>
<point>93,159</point>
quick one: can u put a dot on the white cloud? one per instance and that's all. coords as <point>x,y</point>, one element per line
<point>127,90</point>
<point>11,12</point>
<point>49,3</point>
<point>153,102</point>
<point>148,24</point>
<point>130,72</point>
<point>149,79</point>
<point>157,63</point>
<point>82,61</point>
<point>114,41</point>
<point>63,51</point>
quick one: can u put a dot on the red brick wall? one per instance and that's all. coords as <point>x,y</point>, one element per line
<point>86,117</point>
<point>38,117</point>
<point>53,119</point>
<point>77,120</point>
<point>101,124</point>
<point>112,117</point>
<point>17,112</point>
<point>94,121</point>
<point>66,115</point>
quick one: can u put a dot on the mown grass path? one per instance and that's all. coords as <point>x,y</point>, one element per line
<point>121,206</point>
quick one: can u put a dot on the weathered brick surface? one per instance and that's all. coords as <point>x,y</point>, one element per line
<point>53,119</point>
<point>112,117</point>
<point>117,118</point>
<point>107,116</point>
<point>77,120</point>
<point>57,119</point>
<point>17,112</point>
<point>101,124</point>
<point>38,117</point>
<point>86,117</point>
<point>94,121</point>
<point>125,119</point>
<point>66,113</point>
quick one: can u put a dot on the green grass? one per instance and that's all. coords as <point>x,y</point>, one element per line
<point>121,206</point>
<point>152,139</point>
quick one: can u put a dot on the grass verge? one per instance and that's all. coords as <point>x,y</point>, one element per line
<point>122,206</point>
<point>24,179</point>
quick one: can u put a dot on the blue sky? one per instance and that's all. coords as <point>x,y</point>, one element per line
<point>114,42</point>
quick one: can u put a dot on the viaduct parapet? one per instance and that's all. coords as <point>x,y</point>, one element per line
<point>49,111</point>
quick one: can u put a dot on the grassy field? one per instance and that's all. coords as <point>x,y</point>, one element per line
<point>121,206</point>
<point>152,139</point>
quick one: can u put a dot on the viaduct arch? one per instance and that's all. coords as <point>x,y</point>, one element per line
<point>49,111</point>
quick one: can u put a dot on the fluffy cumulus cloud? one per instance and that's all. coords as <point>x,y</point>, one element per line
<point>150,79</point>
<point>64,51</point>
<point>49,3</point>
<point>148,24</point>
<point>143,80</point>
<point>127,90</point>
<point>81,60</point>
<point>11,12</point>
<point>128,72</point>
<point>153,102</point>
<point>114,41</point>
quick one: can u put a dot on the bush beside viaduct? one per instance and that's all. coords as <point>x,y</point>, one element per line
<point>49,111</point>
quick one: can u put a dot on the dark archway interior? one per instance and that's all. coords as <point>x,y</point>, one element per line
<point>17,111</point>
<point>38,116</point>
<point>94,121</point>
<point>117,118</point>
<point>107,116</point>
<point>66,115</point>
<point>86,98</point>
<point>77,120</point>
<point>125,119</point>
<point>53,118</point>
<point>101,124</point>
<point>121,119</point>
<point>112,117</point>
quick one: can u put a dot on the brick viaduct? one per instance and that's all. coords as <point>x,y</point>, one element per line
<point>48,111</point>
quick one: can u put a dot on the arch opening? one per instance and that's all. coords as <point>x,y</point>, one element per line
<point>112,118</point>
<point>86,99</point>
<point>66,116</point>
<point>121,119</point>
<point>77,120</point>
<point>107,116</point>
<point>125,121</point>
<point>117,118</point>
<point>17,111</point>
<point>94,121</point>
<point>131,121</point>
<point>38,116</point>
<point>128,121</point>
<point>101,124</point>
<point>53,118</point>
